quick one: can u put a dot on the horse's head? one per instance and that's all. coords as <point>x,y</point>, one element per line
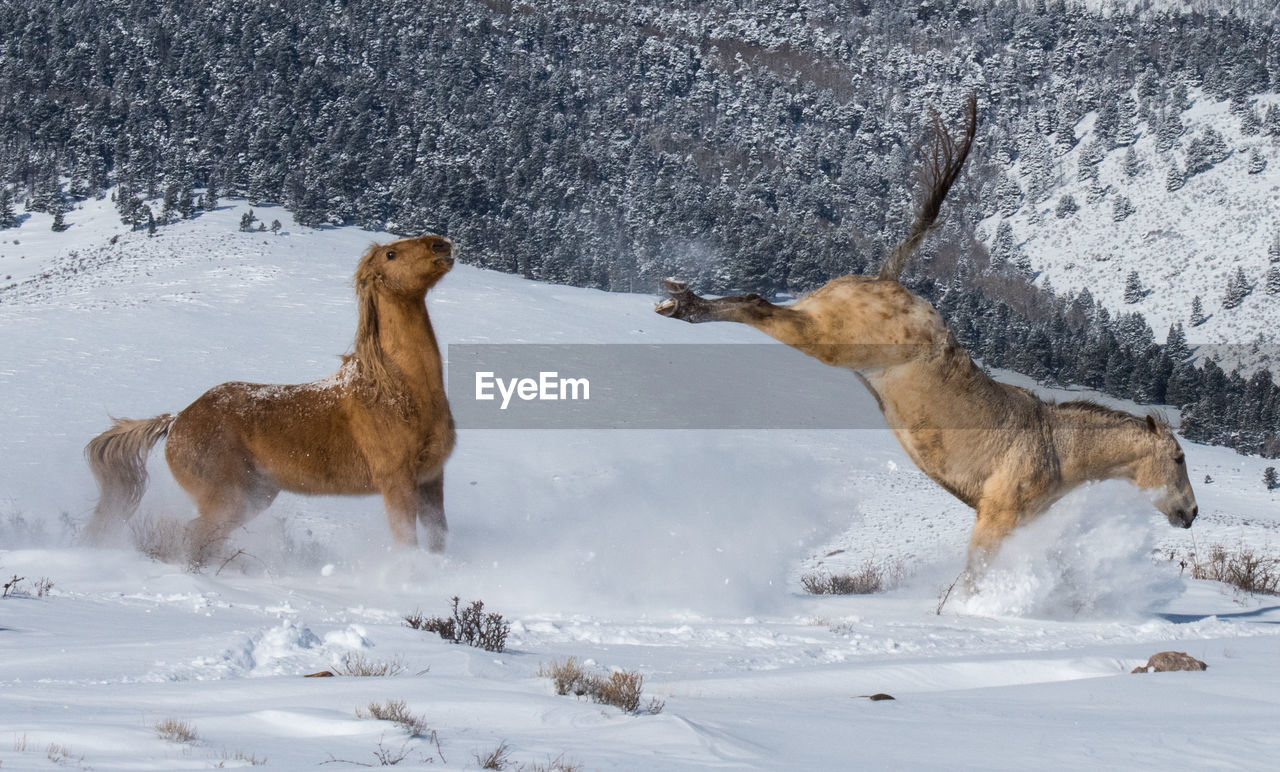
<point>1162,471</point>
<point>409,266</point>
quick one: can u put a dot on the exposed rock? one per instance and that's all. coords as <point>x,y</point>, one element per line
<point>1170,660</point>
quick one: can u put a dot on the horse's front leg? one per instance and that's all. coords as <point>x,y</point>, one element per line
<point>401,501</point>
<point>431,513</point>
<point>989,532</point>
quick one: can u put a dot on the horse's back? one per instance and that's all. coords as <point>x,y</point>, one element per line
<point>294,437</point>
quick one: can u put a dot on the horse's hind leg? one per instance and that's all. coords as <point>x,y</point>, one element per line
<point>431,513</point>
<point>782,322</point>
<point>222,510</point>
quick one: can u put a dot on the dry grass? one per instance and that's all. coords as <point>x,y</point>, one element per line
<point>163,539</point>
<point>498,758</point>
<point>355,664</point>
<point>469,625</point>
<point>871,578</point>
<point>622,688</point>
<point>558,764</point>
<point>176,731</point>
<point>397,712</point>
<point>240,758</point>
<point>1243,567</point>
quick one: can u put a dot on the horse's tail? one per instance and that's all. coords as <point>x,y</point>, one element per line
<point>118,458</point>
<point>940,172</point>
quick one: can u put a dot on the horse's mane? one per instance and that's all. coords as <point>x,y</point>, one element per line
<point>1094,408</point>
<point>374,373</point>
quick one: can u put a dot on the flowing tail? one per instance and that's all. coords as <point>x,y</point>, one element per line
<point>940,172</point>
<point>118,458</point>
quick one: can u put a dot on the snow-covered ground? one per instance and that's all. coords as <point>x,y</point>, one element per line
<point>677,554</point>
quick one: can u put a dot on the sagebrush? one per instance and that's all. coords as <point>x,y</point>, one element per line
<point>870,578</point>
<point>622,688</point>
<point>1242,567</point>
<point>469,625</point>
<point>397,712</point>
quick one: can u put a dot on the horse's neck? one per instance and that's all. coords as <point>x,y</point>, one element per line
<point>1094,447</point>
<point>407,339</point>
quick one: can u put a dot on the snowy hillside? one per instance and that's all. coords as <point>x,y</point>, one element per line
<point>1182,243</point>
<point>677,554</point>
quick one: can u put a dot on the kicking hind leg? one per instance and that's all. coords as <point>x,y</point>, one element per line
<point>781,322</point>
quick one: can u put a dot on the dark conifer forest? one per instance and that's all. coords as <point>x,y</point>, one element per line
<point>764,146</point>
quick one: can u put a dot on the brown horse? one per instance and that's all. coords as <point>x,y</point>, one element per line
<point>381,424</point>
<point>997,448</point>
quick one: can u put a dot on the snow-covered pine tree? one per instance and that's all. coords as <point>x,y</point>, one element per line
<point>1238,288</point>
<point>1131,163</point>
<point>1067,206</point>
<point>1133,291</point>
<point>1270,478</point>
<point>1273,280</point>
<point>8,218</point>
<point>1273,251</point>
<point>1197,317</point>
<point>1121,208</point>
<point>1257,162</point>
<point>1176,178</point>
<point>1175,344</point>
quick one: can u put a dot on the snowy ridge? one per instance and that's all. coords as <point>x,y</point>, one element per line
<point>1182,243</point>
<point>675,554</point>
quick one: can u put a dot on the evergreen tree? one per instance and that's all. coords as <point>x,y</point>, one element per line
<point>1176,178</point>
<point>1270,478</point>
<point>8,218</point>
<point>1238,288</point>
<point>1131,164</point>
<point>1175,344</point>
<point>1197,317</point>
<point>1273,280</point>
<point>1257,162</point>
<point>1121,208</point>
<point>246,221</point>
<point>1133,291</point>
<point>1066,207</point>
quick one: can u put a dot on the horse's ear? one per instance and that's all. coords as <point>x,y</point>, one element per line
<point>1151,424</point>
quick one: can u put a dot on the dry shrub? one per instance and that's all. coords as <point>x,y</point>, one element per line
<point>871,578</point>
<point>355,664</point>
<point>558,764</point>
<point>498,758</point>
<point>397,712</point>
<point>239,758</point>
<point>566,676</point>
<point>469,625</point>
<point>1243,568</point>
<point>176,731</point>
<point>163,539</point>
<point>622,688</point>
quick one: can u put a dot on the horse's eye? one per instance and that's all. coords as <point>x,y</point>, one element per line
<point>1179,460</point>
<point>391,254</point>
